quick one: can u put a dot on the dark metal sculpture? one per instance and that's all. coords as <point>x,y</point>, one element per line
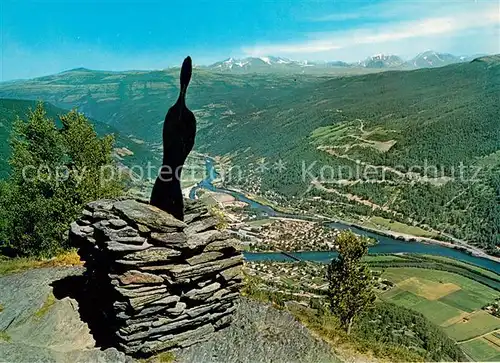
<point>179,130</point>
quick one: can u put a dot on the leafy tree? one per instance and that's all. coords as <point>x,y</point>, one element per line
<point>350,281</point>
<point>55,172</point>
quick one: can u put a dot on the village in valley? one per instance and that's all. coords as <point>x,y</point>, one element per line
<point>424,283</point>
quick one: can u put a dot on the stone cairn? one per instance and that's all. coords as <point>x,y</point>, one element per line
<point>160,283</point>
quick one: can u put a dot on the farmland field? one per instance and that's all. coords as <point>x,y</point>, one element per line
<point>431,290</point>
<point>476,324</point>
<point>400,274</point>
<point>380,258</point>
<point>481,350</point>
<point>448,260</point>
<point>436,311</point>
<point>379,222</point>
<point>452,301</point>
<point>406,299</point>
<point>464,300</point>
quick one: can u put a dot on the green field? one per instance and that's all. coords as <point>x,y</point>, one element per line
<point>436,311</point>
<point>481,350</point>
<point>464,300</point>
<point>382,258</point>
<point>400,274</point>
<point>452,301</point>
<point>478,323</point>
<point>406,299</point>
<point>384,223</point>
<point>447,260</point>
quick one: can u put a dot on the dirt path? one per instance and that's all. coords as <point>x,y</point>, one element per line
<point>479,336</point>
<point>408,175</point>
<point>352,197</point>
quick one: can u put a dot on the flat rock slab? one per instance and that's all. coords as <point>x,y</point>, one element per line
<point>23,294</point>
<point>23,353</point>
<point>42,328</point>
<point>259,333</point>
<point>147,215</point>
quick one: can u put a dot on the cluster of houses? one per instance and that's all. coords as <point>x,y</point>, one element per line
<point>279,234</point>
<point>493,308</point>
<point>297,235</point>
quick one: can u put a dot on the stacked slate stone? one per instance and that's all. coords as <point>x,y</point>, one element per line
<point>160,283</point>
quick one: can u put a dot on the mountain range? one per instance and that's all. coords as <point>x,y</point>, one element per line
<point>427,59</point>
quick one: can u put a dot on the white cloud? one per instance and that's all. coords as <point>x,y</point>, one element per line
<point>439,27</point>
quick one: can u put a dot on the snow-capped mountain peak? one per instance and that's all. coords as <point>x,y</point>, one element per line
<point>258,64</point>
<point>381,61</point>
<point>265,60</point>
<point>430,58</point>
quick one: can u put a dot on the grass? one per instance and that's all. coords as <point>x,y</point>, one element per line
<point>480,349</point>
<point>349,135</point>
<point>332,133</point>
<point>208,200</point>
<point>19,264</point>
<point>395,226</point>
<point>398,274</point>
<point>1,308</point>
<point>490,160</point>
<point>447,260</point>
<point>391,293</point>
<point>47,304</point>
<point>475,325</point>
<point>261,200</point>
<point>4,336</point>
<point>164,357</point>
<point>328,328</point>
<point>464,300</point>
<point>382,258</point>
<point>494,339</point>
<point>406,299</point>
<point>431,290</point>
<point>436,311</point>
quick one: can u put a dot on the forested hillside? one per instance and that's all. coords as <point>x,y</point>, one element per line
<point>429,139</point>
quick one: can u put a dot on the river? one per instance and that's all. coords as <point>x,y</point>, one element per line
<point>385,244</point>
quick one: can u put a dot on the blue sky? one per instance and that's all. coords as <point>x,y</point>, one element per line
<point>43,37</point>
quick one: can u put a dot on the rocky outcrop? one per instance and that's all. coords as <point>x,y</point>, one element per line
<point>161,283</point>
<point>63,333</point>
<point>260,333</point>
<point>37,326</point>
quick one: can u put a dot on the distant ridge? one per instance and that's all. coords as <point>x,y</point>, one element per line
<point>78,69</point>
<point>495,58</point>
<point>427,59</point>
<point>271,64</point>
